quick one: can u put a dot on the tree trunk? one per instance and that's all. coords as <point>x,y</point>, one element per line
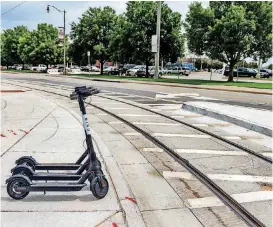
<point>201,67</point>
<point>147,68</point>
<point>231,68</point>
<point>101,66</point>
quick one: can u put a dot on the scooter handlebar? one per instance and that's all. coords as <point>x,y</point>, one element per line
<point>89,92</point>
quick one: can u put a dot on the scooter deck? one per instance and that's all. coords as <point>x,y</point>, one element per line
<point>55,176</point>
<point>56,187</point>
<point>57,166</point>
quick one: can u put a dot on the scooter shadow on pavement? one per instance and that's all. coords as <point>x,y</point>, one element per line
<point>53,198</point>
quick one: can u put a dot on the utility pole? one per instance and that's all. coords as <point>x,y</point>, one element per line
<point>89,66</point>
<point>64,33</point>
<point>64,47</point>
<point>158,39</point>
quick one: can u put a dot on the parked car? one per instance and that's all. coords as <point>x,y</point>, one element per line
<point>38,68</point>
<point>265,73</point>
<point>126,67</point>
<point>14,66</point>
<point>185,71</point>
<point>95,68</point>
<point>111,70</point>
<point>141,72</point>
<point>152,71</point>
<point>132,71</point>
<point>242,72</point>
<point>19,67</point>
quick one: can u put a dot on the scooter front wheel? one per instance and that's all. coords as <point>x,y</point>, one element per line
<point>99,187</point>
<point>12,188</point>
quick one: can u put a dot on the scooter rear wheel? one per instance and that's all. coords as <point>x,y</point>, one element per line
<point>25,172</point>
<point>27,162</point>
<point>99,187</point>
<point>13,184</point>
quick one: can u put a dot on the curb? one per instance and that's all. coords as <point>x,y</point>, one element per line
<point>236,121</point>
<point>231,89</point>
<point>169,85</point>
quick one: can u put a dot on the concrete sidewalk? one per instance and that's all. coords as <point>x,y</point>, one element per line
<point>252,119</point>
<point>37,126</point>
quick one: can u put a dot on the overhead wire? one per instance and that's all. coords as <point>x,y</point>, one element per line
<point>13,8</point>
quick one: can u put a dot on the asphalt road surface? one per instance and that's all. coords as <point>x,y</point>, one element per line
<point>257,101</point>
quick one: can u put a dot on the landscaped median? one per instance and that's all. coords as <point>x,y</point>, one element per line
<point>202,84</point>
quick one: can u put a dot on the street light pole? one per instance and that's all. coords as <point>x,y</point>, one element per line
<point>64,32</point>
<point>158,39</point>
<point>64,47</point>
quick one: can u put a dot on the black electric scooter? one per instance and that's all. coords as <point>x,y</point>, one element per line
<point>29,171</point>
<point>31,162</point>
<point>19,186</point>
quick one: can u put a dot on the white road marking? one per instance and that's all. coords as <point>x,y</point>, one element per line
<point>155,123</point>
<point>101,114</point>
<point>267,154</point>
<point>178,116</point>
<point>131,134</point>
<point>217,152</point>
<point>200,125</point>
<point>152,149</point>
<point>232,137</point>
<point>241,198</point>
<point>108,103</point>
<point>219,124</point>
<point>115,122</point>
<point>137,115</point>
<point>223,177</point>
<point>181,135</point>
<point>156,110</point>
<point>119,108</point>
<point>124,96</point>
<point>168,96</point>
<point>163,104</point>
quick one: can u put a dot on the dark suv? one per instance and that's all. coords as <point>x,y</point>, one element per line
<point>242,72</point>
<point>126,67</point>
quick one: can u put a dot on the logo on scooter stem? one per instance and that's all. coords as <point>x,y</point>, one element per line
<point>86,124</point>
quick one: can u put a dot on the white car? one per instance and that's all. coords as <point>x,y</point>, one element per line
<point>19,67</point>
<point>132,72</point>
<point>95,68</point>
<point>38,68</point>
<point>152,71</point>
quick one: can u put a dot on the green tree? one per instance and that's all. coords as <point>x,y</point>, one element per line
<point>131,38</point>
<point>92,33</point>
<point>231,37</point>
<point>41,46</point>
<point>270,66</point>
<point>198,20</point>
<point>9,44</point>
<point>261,13</point>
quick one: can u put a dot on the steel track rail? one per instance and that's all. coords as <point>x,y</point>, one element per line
<point>236,207</point>
<point>267,159</point>
<point>219,192</point>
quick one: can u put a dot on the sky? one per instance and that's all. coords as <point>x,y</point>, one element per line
<point>31,13</point>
